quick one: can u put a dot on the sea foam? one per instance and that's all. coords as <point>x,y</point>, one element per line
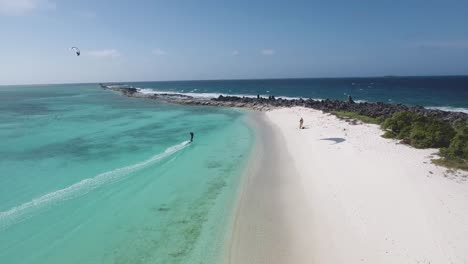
<point>213,95</point>
<point>450,109</point>
<point>23,211</point>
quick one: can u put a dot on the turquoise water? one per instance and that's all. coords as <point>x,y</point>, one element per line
<point>88,176</point>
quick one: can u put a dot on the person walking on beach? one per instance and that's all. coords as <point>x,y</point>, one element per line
<point>301,123</point>
<point>191,137</point>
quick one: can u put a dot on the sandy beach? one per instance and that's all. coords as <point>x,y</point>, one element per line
<point>338,192</point>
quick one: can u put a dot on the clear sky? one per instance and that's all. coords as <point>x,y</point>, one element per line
<point>215,39</point>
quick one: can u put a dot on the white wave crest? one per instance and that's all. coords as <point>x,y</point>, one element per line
<point>449,108</point>
<point>214,95</point>
<point>19,213</point>
<point>196,95</point>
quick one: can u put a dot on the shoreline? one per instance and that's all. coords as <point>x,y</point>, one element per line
<point>308,196</point>
<point>260,233</point>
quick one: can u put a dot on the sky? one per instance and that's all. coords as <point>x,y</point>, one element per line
<point>191,40</point>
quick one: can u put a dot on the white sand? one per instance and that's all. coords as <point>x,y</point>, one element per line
<point>363,200</point>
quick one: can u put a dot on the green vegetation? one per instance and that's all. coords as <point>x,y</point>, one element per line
<point>389,134</point>
<point>456,154</point>
<point>451,163</point>
<point>419,131</point>
<point>363,118</point>
<point>458,147</point>
<point>424,132</point>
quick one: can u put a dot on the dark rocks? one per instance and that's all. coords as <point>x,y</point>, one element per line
<point>378,109</point>
<point>129,91</point>
<point>124,89</point>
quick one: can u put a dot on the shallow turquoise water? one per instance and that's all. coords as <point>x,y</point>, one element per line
<point>88,176</point>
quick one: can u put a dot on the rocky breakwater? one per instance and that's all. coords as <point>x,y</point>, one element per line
<point>378,109</point>
<point>175,98</point>
<point>259,103</point>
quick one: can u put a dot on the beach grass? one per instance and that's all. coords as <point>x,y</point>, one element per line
<point>452,163</point>
<point>362,118</point>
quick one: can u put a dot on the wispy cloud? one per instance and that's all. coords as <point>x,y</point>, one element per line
<point>23,7</point>
<point>158,52</point>
<point>235,53</point>
<point>268,52</point>
<point>106,53</point>
<point>453,44</point>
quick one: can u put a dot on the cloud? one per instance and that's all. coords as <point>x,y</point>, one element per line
<point>268,52</point>
<point>106,53</point>
<point>454,44</point>
<point>235,53</point>
<point>158,52</point>
<point>23,7</point>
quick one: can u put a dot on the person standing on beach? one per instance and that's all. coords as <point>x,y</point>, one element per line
<point>301,123</point>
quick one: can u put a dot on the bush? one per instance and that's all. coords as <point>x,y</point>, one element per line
<point>389,134</point>
<point>400,124</point>
<point>419,131</point>
<point>431,133</point>
<point>458,147</point>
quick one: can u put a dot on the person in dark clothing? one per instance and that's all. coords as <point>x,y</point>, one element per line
<point>191,137</point>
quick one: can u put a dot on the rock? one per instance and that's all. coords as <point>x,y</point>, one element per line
<point>378,109</point>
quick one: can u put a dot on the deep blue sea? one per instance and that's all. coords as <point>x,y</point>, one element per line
<point>447,93</point>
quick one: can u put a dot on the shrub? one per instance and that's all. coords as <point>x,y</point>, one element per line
<point>389,134</point>
<point>419,131</point>
<point>400,124</point>
<point>431,133</point>
<point>458,147</point>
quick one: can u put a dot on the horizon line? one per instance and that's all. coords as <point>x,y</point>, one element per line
<point>243,79</point>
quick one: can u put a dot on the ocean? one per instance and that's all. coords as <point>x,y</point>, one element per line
<point>89,176</point>
<point>448,93</point>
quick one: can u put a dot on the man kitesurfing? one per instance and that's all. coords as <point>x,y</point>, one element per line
<point>191,137</point>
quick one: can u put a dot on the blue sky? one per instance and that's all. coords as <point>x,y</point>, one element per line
<point>184,40</point>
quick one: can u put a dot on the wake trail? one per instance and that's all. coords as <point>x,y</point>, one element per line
<point>20,212</point>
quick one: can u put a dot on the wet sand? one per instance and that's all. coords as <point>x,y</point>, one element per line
<point>270,219</point>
